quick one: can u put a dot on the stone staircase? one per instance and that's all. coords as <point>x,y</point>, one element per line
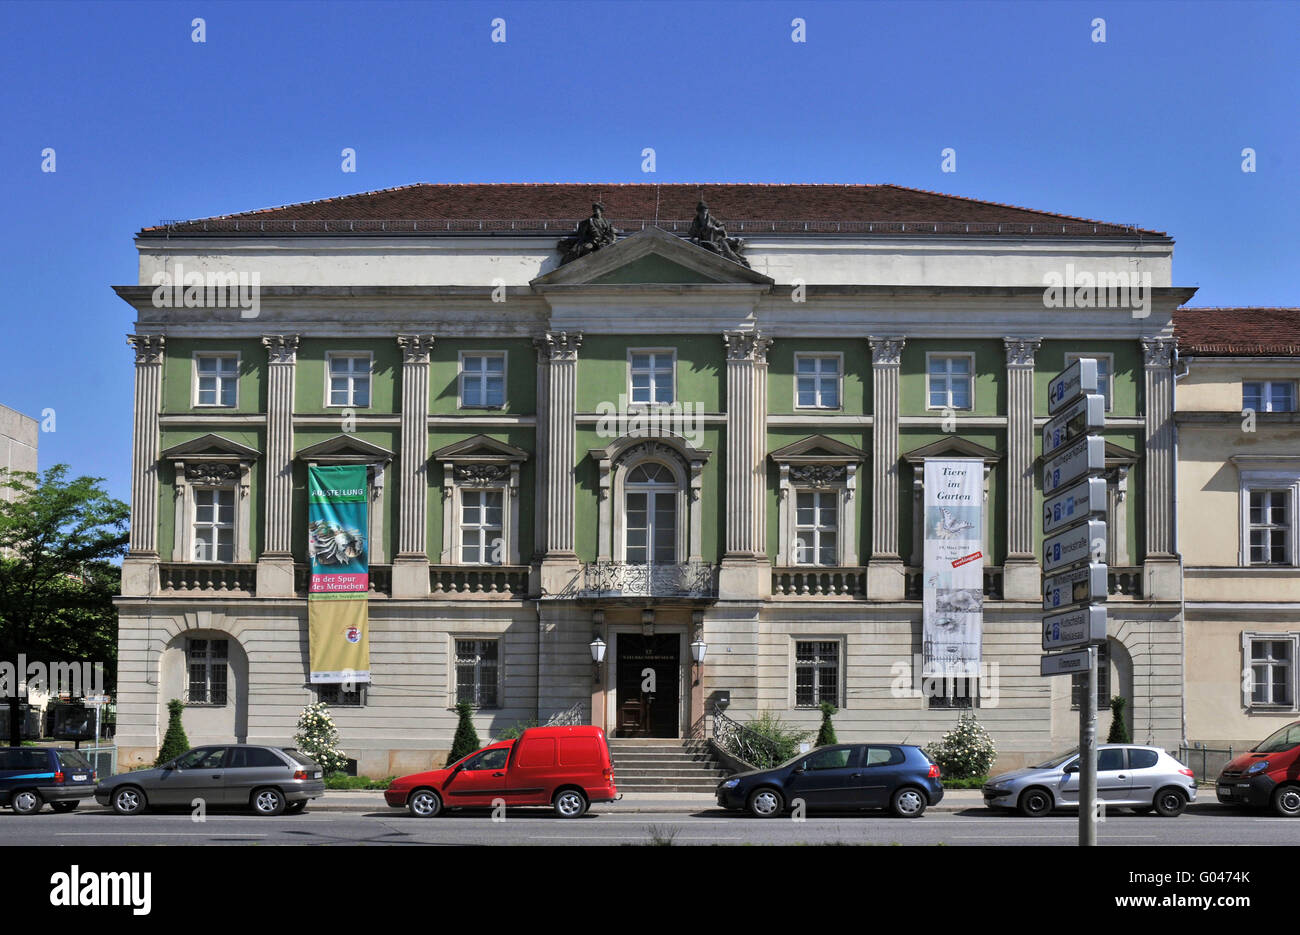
<point>644,764</point>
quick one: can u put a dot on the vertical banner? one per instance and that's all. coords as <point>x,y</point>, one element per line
<point>952,594</point>
<point>338,600</point>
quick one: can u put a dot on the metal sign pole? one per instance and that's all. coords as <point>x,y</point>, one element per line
<point>1088,756</point>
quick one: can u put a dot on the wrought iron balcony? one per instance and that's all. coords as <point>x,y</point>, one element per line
<point>624,579</point>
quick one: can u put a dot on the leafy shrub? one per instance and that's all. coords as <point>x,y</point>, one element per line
<point>770,741</point>
<point>516,730</point>
<point>319,738</point>
<point>1118,729</point>
<point>344,781</point>
<point>174,741</point>
<point>965,751</point>
<point>466,740</point>
<point>826,735</point>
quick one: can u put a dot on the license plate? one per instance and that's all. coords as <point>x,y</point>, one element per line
<point>78,777</point>
<point>315,775</point>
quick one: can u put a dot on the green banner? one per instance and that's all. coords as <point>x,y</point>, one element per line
<point>338,600</point>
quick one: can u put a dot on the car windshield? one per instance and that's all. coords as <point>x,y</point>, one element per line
<point>1284,739</point>
<point>1058,760</point>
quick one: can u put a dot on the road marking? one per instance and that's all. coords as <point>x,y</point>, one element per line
<point>148,834</point>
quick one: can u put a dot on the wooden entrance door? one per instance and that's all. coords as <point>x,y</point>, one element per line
<point>648,685</point>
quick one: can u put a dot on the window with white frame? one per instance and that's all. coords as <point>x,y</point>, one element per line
<point>480,527</point>
<point>214,525</point>
<point>816,539</point>
<point>349,379</point>
<point>207,663</point>
<point>1105,373</point>
<point>951,381</point>
<point>817,381</point>
<point>650,517</point>
<point>1270,527</point>
<point>651,376</point>
<point>1270,664</point>
<point>483,381</point>
<point>477,672</point>
<point>816,672</point>
<point>1269,396</point>
<point>338,696</point>
<point>216,380</point>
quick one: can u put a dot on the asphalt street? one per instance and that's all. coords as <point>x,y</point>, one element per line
<point>606,825</point>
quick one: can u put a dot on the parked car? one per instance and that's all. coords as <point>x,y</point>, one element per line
<point>567,768</point>
<point>1268,775</point>
<point>32,776</point>
<point>1130,776</point>
<point>270,780</point>
<point>893,776</point>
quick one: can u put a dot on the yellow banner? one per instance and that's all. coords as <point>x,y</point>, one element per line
<point>340,645</point>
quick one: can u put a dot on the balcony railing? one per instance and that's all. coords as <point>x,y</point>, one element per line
<point>1125,581</point>
<point>624,579</point>
<point>455,581</point>
<point>806,580</point>
<point>208,578</point>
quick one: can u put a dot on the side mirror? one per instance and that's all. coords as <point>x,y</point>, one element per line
<point>1072,768</point>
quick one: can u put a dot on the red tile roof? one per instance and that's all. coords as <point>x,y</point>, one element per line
<point>556,208</point>
<point>1238,332</point>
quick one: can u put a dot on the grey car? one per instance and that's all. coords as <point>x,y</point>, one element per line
<point>1130,776</point>
<point>269,780</point>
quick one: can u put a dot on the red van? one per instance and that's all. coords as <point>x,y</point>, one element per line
<point>566,768</point>
<point>1267,775</point>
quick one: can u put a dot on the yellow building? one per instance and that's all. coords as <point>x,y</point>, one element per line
<point>1238,515</point>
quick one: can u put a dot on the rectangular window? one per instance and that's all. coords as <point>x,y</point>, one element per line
<point>817,381</point>
<point>483,381</point>
<point>1105,372</point>
<point>480,527</point>
<point>476,672</point>
<point>1269,396</point>
<point>206,660</point>
<point>218,380</point>
<point>1270,527</point>
<point>1272,669</point>
<point>214,525</point>
<point>815,535</point>
<point>651,376</point>
<point>336,695</point>
<point>951,382</point>
<point>349,379</point>
<point>816,672</point>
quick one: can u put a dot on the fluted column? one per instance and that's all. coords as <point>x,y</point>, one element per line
<point>885,579</point>
<point>1160,566</point>
<point>746,572</point>
<point>557,356</point>
<point>1021,576</point>
<point>139,570</point>
<point>411,563</point>
<point>275,564</point>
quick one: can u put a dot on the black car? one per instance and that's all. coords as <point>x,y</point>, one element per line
<point>891,776</point>
<point>32,776</point>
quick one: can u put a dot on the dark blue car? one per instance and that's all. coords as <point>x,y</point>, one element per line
<point>891,776</point>
<point>32,776</point>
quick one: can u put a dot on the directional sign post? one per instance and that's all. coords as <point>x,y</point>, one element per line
<point>1074,549</point>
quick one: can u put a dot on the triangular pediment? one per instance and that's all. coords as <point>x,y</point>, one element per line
<point>210,447</point>
<point>955,447</point>
<point>479,449</point>
<point>652,257</point>
<point>817,449</point>
<point>1117,455</point>
<point>345,449</point>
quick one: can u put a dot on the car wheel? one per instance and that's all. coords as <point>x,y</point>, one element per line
<point>63,806</point>
<point>269,802</point>
<point>424,803</point>
<point>908,803</point>
<point>1169,803</point>
<point>26,802</point>
<point>569,803</point>
<point>1286,801</point>
<point>293,808</point>
<point>1035,802</point>
<point>766,803</point>
<point>129,800</point>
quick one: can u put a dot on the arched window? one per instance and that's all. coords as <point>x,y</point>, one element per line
<point>651,497</point>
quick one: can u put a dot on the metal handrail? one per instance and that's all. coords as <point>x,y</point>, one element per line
<point>743,743</point>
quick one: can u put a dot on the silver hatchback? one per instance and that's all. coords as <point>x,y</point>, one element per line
<point>1130,776</point>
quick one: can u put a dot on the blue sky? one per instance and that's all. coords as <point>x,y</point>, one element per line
<point>1146,128</point>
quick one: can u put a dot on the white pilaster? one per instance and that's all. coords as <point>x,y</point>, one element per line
<point>140,567</point>
<point>557,355</point>
<point>275,564</point>
<point>1021,577</point>
<point>746,572</point>
<point>1161,571</point>
<point>411,563</point>
<point>885,579</point>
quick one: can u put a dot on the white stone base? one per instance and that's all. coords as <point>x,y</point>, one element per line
<point>1162,578</point>
<point>1022,579</point>
<point>275,577</point>
<point>886,580</point>
<point>139,576</point>
<point>744,579</point>
<point>410,576</point>
<point>558,576</point>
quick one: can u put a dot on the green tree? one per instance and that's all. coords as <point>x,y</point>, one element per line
<point>826,735</point>
<point>174,741</point>
<point>59,539</point>
<point>319,738</point>
<point>1118,729</point>
<point>466,740</point>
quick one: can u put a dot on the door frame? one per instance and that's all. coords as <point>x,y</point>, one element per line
<point>610,679</point>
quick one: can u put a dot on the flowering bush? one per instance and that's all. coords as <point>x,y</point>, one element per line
<point>319,738</point>
<point>965,751</point>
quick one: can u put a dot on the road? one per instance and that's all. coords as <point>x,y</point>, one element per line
<point>606,826</point>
